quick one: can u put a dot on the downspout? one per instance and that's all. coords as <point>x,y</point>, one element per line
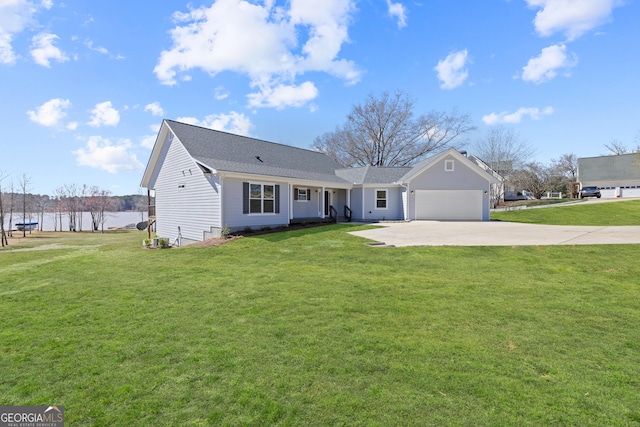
<point>222,204</point>
<point>406,196</point>
<point>363,208</point>
<point>290,202</point>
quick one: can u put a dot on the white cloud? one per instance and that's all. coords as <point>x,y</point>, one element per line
<point>100,49</point>
<point>281,96</point>
<point>233,122</point>
<point>571,17</point>
<point>15,15</point>
<point>43,50</point>
<point>398,11</point>
<point>155,109</point>
<point>220,93</point>
<point>148,141</point>
<point>102,153</point>
<point>545,66</point>
<point>50,113</point>
<point>104,115</point>
<point>47,4</point>
<point>533,113</point>
<point>451,70</point>
<point>264,42</point>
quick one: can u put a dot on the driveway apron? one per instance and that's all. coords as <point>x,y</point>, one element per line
<point>496,233</point>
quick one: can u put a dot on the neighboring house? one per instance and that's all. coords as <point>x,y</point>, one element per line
<point>498,187</point>
<point>205,180</point>
<point>615,176</point>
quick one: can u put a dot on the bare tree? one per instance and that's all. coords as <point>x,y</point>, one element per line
<point>382,131</point>
<point>566,169</point>
<point>3,235</point>
<point>503,150</point>
<point>98,202</point>
<point>617,147</point>
<point>71,205</point>
<point>59,207</point>
<point>42,203</point>
<point>12,204</point>
<point>24,183</point>
<point>534,177</point>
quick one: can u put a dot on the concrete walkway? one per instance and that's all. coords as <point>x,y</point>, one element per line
<point>496,233</point>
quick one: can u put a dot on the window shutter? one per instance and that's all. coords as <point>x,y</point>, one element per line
<point>295,194</point>
<point>277,208</point>
<point>245,197</point>
<point>308,194</point>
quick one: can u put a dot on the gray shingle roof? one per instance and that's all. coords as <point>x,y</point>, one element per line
<point>373,174</point>
<point>624,167</point>
<point>233,153</point>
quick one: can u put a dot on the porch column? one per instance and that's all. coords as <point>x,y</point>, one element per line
<point>290,202</point>
<point>322,203</point>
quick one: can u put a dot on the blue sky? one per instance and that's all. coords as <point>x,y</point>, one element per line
<point>84,85</point>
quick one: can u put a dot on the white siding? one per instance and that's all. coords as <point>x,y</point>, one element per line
<point>185,197</point>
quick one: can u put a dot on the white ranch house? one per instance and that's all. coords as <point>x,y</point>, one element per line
<point>204,180</point>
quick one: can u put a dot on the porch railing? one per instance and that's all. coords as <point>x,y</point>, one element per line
<point>152,211</point>
<point>347,213</point>
<point>333,214</point>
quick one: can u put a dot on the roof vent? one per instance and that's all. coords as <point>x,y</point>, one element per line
<point>259,159</point>
<point>463,152</point>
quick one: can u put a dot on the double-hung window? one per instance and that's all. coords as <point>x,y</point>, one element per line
<point>381,199</point>
<point>302,194</point>
<point>262,198</point>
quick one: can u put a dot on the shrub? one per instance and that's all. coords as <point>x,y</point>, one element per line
<point>224,232</point>
<point>163,243</point>
<point>248,229</point>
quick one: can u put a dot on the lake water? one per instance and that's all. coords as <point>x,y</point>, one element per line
<point>113,219</point>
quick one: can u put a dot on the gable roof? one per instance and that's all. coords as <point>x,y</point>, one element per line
<point>426,164</point>
<point>226,152</point>
<point>622,167</point>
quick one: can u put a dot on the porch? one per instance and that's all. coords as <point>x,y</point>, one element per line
<point>319,204</point>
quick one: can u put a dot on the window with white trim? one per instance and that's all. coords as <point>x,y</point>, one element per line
<point>302,194</point>
<point>448,165</point>
<point>261,198</point>
<point>381,199</point>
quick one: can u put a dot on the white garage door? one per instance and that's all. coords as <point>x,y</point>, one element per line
<point>449,205</point>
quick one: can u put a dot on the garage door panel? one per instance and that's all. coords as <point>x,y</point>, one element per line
<point>449,205</point>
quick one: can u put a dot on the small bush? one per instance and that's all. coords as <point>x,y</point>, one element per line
<point>265,228</point>
<point>224,232</point>
<point>248,230</point>
<point>163,243</point>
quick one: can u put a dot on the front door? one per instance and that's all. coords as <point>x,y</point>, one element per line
<point>327,202</point>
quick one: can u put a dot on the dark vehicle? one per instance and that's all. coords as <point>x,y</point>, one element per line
<point>591,191</point>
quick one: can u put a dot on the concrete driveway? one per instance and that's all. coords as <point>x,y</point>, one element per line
<point>496,233</point>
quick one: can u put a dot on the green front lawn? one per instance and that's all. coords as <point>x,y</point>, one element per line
<point>313,327</point>
<point>585,213</point>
